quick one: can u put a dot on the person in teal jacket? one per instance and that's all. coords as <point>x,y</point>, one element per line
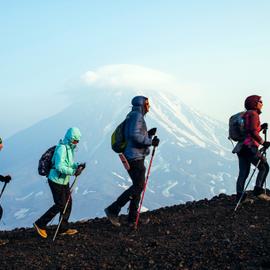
<point>63,166</point>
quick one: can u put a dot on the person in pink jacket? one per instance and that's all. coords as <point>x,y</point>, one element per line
<point>249,153</point>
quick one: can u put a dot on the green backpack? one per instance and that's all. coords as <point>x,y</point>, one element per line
<point>118,141</point>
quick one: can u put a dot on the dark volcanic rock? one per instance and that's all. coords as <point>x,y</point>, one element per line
<point>198,235</point>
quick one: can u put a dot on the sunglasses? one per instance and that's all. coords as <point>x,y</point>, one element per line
<point>75,142</point>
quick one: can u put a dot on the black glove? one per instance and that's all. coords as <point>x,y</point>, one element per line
<point>151,132</point>
<point>155,141</point>
<point>266,144</point>
<point>80,169</point>
<point>83,165</point>
<point>7,178</point>
<point>264,126</point>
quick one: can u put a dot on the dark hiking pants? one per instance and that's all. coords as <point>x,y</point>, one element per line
<point>246,157</point>
<point>132,194</point>
<point>60,196</point>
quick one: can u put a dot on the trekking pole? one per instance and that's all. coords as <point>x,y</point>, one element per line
<point>257,165</point>
<point>265,139</point>
<point>64,211</point>
<point>144,188</point>
<point>3,189</point>
<point>1,209</point>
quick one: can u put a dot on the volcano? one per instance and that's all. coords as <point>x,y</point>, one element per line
<point>193,160</point>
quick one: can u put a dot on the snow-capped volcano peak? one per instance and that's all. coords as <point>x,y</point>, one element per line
<point>192,161</point>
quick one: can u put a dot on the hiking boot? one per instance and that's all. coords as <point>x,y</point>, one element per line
<point>40,231</point>
<point>69,232</point>
<point>112,218</point>
<point>258,191</point>
<point>263,197</point>
<point>3,242</point>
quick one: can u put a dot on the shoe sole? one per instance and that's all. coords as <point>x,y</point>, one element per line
<point>69,233</point>
<point>38,231</point>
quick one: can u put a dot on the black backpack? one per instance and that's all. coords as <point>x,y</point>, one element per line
<point>45,162</point>
<point>118,141</point>
<point>237,127</point>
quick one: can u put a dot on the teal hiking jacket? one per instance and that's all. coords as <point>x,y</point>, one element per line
<point>63,158</point>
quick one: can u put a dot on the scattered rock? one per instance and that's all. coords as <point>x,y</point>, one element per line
<point>207,234</point>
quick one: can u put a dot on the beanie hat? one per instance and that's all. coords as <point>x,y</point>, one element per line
<point>251,102</point>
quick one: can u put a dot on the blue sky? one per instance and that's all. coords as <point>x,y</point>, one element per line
<point>219,50</point>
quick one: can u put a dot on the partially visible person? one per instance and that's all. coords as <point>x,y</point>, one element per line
<point>5,179</point>
<point>58,179</point>
<point>248,153</point>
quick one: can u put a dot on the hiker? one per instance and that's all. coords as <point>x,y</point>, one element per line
<point>248,152</point>
<point>6,179</point>
<point>138,142</point>
<point>58,179</point>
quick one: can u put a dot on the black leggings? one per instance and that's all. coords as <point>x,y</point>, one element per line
<point>248,156</point>
<point>60,196</point>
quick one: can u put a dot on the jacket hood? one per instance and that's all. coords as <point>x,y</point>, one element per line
<point>251,102</point>
<point>139,101</point>
<point>72,134</point>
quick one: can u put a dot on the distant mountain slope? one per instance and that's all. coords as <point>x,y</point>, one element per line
<point>195,236</point>
<point>193,160</point>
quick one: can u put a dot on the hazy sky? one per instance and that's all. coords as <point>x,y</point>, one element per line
<point>214,53</point>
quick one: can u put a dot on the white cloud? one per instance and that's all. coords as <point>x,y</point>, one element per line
<point>130,77</point>
<point>139,78</point>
